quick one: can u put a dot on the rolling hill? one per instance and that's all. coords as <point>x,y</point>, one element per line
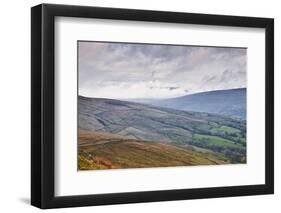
<point>100,150</point>
<point>204,132</point>
<point>230,102</point>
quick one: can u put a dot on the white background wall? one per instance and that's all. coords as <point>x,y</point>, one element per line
<point>15,105</point>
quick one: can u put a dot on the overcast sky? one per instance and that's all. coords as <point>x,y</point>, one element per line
<point>126,71</point>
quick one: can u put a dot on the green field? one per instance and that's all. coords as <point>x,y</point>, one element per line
<point>215,140</point>
<point>234,151</point>
<point>226,129</point>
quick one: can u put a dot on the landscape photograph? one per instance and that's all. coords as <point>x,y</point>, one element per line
<point>160,105</point>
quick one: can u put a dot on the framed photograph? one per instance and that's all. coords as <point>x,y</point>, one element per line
<point>139,106</point>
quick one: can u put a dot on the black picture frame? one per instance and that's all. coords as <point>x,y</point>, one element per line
<point>43,102</point>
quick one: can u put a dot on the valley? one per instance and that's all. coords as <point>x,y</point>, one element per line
<point>124,134</point>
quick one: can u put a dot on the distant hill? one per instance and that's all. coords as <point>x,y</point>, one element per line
<point>230,102</point>
<point>135,121</point>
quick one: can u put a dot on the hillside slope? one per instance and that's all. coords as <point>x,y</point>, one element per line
<point>230,102</point>
<point>136,121</point>
<point>99,150</point>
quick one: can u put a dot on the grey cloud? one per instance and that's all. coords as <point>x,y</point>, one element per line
<point>121,70</point>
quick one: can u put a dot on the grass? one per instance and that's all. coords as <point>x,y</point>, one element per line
<point>85,163</point>
<point>215,140</point>
<point>99,150</point>
<point>227,129</point>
